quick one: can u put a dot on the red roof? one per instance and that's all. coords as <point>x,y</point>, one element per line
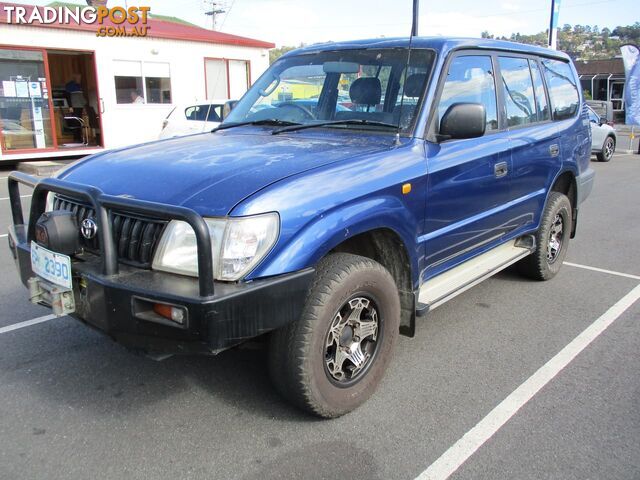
<point>157,29</point>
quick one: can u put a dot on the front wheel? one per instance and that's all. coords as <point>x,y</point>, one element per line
<point>552,240</point>
<point>332,359</point>
<point>607,151</point>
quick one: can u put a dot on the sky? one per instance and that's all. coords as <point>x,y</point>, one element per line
<point>291,22</point>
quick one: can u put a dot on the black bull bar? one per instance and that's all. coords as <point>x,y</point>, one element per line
<point>103,204</point>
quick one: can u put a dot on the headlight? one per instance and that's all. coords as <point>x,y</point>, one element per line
<point>238,244</point>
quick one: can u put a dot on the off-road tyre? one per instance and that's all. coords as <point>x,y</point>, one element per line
<point>538,265</point>
<point>298,352</point>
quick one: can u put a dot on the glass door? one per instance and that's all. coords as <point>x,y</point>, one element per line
<point>25,109</point>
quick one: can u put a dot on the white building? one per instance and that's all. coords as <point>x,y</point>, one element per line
<point>66,91</point>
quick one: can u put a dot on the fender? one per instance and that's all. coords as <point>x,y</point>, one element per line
<point>330,229</point>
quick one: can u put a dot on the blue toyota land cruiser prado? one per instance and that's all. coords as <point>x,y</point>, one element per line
<point>353,188</point>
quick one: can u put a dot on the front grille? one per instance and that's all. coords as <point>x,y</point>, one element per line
<point>135,237</point>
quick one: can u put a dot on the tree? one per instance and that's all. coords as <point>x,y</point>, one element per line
<point>630,33</point>
<point>276,53</point>
<point>583,42</point>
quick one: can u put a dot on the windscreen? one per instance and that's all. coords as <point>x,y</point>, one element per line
<point>364,84</point>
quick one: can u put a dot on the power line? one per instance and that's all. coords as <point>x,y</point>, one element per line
<point>227,15</point>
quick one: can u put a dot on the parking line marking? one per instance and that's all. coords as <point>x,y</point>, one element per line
<point>471,441</point>
<point>27,323</point>
<point>21,196</point>
<point>602,270</point>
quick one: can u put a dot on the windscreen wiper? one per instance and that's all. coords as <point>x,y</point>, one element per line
<point>267,121</point>
<point>353,121</point>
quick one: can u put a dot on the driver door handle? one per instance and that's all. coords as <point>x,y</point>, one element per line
<point>500,169</point>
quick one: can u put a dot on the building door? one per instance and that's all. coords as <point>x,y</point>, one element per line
<point>25,102</point>
<point>76,100</point>
<point>616,95</point>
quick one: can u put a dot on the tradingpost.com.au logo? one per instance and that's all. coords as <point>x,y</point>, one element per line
<point>109,22</point>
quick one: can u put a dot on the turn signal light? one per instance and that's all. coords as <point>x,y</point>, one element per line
<point>170,312</point>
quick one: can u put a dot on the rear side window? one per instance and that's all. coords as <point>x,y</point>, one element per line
<point>519,100</point>
<point>196,113</point>
<point>215,113</point>
<point>541,96</point>
<point>470,80</point>
<point>562,88</point>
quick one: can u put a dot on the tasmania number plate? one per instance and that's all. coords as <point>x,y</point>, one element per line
<point>53,267</point>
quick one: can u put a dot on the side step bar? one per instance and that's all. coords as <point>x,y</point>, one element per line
<point>451,283</point>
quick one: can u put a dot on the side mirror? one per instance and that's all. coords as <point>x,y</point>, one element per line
<point>228,106</point>
<point>463,120</point>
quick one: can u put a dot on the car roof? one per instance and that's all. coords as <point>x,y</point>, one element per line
<point>440,44</point>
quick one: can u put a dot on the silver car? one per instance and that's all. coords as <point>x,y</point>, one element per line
<point>603,142</point>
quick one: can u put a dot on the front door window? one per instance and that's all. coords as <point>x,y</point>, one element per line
<point>25,118</point>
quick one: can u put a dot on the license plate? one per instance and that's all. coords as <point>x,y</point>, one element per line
<point>53,267</point>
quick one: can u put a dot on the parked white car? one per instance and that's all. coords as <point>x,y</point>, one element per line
<point>192,118</point>
<point>603,137</point>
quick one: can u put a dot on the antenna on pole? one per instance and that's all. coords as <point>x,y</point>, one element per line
<point>416,14</point>
<point>414,32</point>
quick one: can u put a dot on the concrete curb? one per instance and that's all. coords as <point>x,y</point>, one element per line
<point>41,169</point>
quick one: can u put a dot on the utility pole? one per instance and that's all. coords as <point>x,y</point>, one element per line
<point>214,9</point>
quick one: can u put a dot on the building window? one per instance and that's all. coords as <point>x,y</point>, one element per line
<point>142,82</point>
<point>157,82</point>
<point>226,78</point>
<point>238,78</point>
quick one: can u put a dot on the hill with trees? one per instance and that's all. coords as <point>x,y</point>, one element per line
<point>583,42</point>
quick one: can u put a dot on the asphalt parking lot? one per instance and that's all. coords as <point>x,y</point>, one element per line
<point>75,405</point>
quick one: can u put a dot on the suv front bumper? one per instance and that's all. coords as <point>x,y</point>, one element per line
<point>117,299</point>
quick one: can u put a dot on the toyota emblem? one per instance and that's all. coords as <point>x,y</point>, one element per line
<point>88,228</point>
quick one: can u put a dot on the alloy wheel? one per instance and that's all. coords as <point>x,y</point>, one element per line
<point>352,341</point>
<point>608,148</point>
<point>556,235</point>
